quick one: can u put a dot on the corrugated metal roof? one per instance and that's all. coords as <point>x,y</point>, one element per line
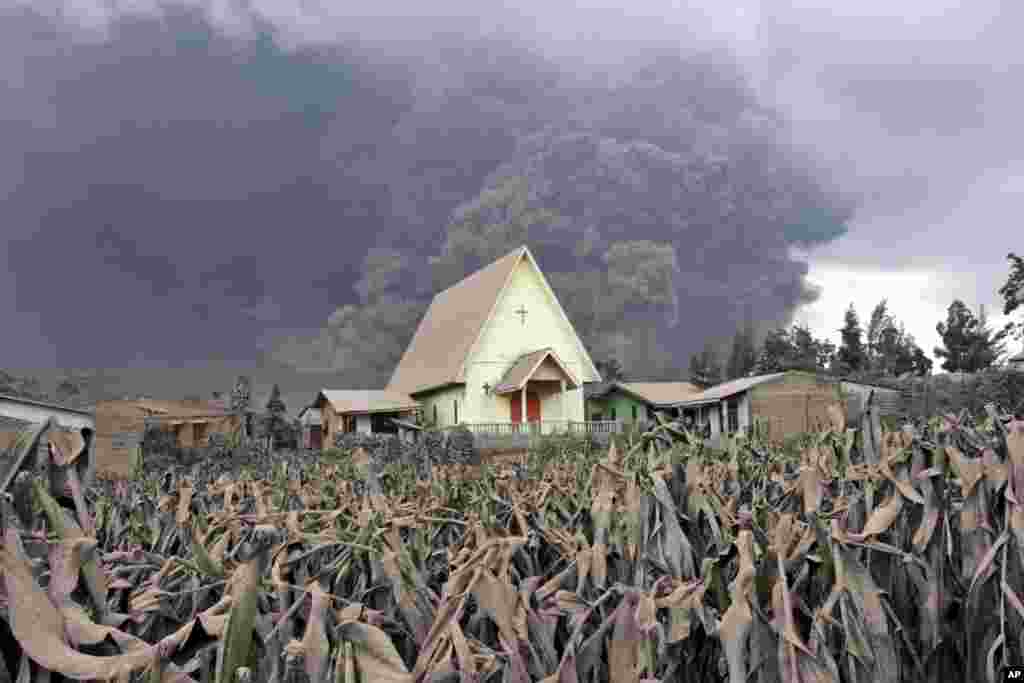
<point>727,389</point>
<point>45,404</point>
<point>524,367</point>
<point>368,400</point>
<point>877,388</point>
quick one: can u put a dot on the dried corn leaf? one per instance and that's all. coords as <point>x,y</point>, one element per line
<point>376,657</point>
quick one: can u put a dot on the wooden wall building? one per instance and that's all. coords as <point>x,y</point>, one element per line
<point>120,426</point>
<point>787,402</point>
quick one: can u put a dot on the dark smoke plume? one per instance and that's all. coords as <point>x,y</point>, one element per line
<point>176,192</point>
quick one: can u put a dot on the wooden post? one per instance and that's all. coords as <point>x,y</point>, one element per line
<point>522,406</point>
<point>565,411</point>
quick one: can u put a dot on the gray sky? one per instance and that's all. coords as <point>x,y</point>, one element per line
<point>159,208</point>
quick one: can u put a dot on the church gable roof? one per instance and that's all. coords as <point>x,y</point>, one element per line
<point>526,365</point>
<point>454,322</point>
<point>450,327</point>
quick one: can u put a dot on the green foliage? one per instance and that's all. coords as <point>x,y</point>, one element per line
<point>241,394</point>
<point>944,394</point>
<point>1012,290</point>
<point>968,343</point>
<point>705,368</point>
<point>276,427</point>
<point>890,350</point>
<point>794,350</point>
<point>743,356</point>
<point>852,355</point>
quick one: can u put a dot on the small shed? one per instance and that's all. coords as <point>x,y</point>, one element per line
<point>635,401</point>
<point>121,425</point>
<point>366,411</point>
<point>787,402</point>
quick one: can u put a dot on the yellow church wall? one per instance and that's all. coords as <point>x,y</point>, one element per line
<point>508,336</point>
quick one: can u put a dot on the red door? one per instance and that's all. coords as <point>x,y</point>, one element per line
<point>532,407</point>
<point>315,438</point>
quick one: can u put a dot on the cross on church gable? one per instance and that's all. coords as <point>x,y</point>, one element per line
<point>521,312</point>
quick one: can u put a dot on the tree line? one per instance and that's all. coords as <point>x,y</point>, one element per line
<point>882,348</point>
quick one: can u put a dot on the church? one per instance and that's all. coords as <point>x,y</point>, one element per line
<point>495,352</point>
<point>497,349</point>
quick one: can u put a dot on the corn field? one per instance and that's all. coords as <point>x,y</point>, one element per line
<point>860,556</point>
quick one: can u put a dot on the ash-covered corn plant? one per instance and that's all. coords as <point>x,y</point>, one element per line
<point>862,556</point>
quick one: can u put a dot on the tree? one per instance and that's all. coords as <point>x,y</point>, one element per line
<point>705,369</point>
<point>969,344</point>
<point>851,356</point>
<point>275,422</point>
<point>1013,290</point>
<point>880,319</point>
<point>894,352</point>
<point>743,356</point>
<point>240,394</point>
<point>794,349</point>
<point>239,403</point>
<point>988,344</point>
<point>777,352</point>
<point>922,363</point>
<point>809,353</point>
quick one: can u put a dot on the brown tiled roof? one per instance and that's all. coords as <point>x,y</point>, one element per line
<point>524,367</point>
<point>368,401</point>
<point>660,393</point>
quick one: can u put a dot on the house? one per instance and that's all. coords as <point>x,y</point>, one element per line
<point>120,426</point>
<point>496,352</point>
<point>17,413</point>
<point>788,402</point>
<point>1016,362</point>
<point>635,401</point>
<point>366,411</point>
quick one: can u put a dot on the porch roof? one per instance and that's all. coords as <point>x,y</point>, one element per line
<point>516,377</point>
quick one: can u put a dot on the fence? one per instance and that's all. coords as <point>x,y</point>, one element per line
<point>519,434</point>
